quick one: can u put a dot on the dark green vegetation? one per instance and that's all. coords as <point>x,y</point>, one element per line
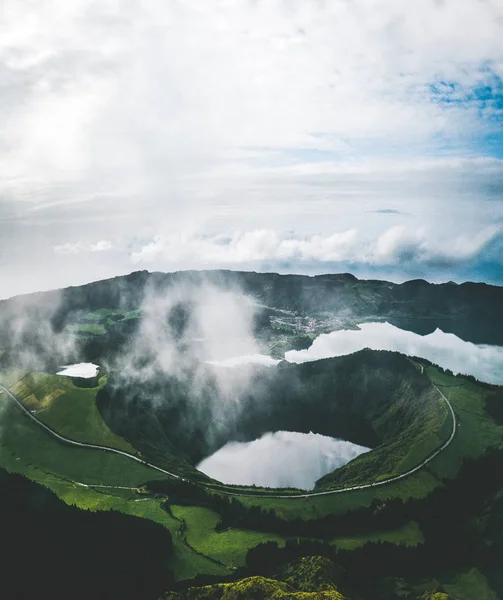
<point>51,550</point>
<point>212,533</point>
<point>91,480</point>
<point>376,399</point>
<point>68,409</point>
<point>436,534</point>
<point>294,308</point>
<point>307,578</point>
<point>462,550</point>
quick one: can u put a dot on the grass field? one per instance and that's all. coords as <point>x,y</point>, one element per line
<point>407,535</point>
<point>68,409</point>
<point>476,433</point>
<point>88,328</point>
<point>230,546</point>
<point>23,443</point>
<point>418,485</point>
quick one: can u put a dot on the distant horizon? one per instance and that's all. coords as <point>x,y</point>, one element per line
<point>264,272</point>
<point>308,138</point>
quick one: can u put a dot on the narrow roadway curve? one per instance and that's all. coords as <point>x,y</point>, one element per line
<point>240,494</point>
<point>66,440</point>
<point>384,481</point>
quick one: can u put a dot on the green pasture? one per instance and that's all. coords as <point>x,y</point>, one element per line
<point>71,410</point>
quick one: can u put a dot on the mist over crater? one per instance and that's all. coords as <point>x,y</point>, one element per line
<point>195,376</point>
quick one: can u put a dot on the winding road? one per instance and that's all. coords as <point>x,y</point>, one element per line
<point>71,442</point>
<point>257,494</point>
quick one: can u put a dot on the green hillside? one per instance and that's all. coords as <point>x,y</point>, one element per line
<point>201,546</point>
<point>309,578</point>
<point>377,399</point>
<point>434,534</point>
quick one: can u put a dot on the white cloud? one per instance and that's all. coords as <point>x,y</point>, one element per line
<point>85,370</point>
<point>280,459</point>
<point>400,244</point>
<point>150,92</point>
<point>101,246</point>
<point>69,248</point>
<point>252,359</point>
<point>134,118</point>
<point>81,247</point>
<point>445,349</point>
<point>396,245</point>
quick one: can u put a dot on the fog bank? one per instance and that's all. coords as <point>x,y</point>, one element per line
<point>280,459</point>
<point>84,370</point>
<point>252,359</point>
<point>445,349</point>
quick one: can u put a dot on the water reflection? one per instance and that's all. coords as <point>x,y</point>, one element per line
<point>280,459</point>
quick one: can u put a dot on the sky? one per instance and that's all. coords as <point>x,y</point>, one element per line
<point>308,137</point>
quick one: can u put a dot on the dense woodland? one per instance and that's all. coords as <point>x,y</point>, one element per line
<point>52,550</point>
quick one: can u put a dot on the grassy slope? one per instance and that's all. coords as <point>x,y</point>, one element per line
<point>24,445</point>
<point>70,410</point>
<point>24,440</point>
<point>416,440</point>
<point>477,432</point>
<point>28,450</point>
<point>418,485</point>
<point>230,546</point>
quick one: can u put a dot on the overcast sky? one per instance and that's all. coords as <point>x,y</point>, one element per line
<point>313,136</point>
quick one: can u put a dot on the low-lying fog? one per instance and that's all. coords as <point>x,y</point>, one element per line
<point>84,370</point>
<point>249,359</point>
<point>445,349</point>
<point>485,362</point>
<point>280,459</point>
